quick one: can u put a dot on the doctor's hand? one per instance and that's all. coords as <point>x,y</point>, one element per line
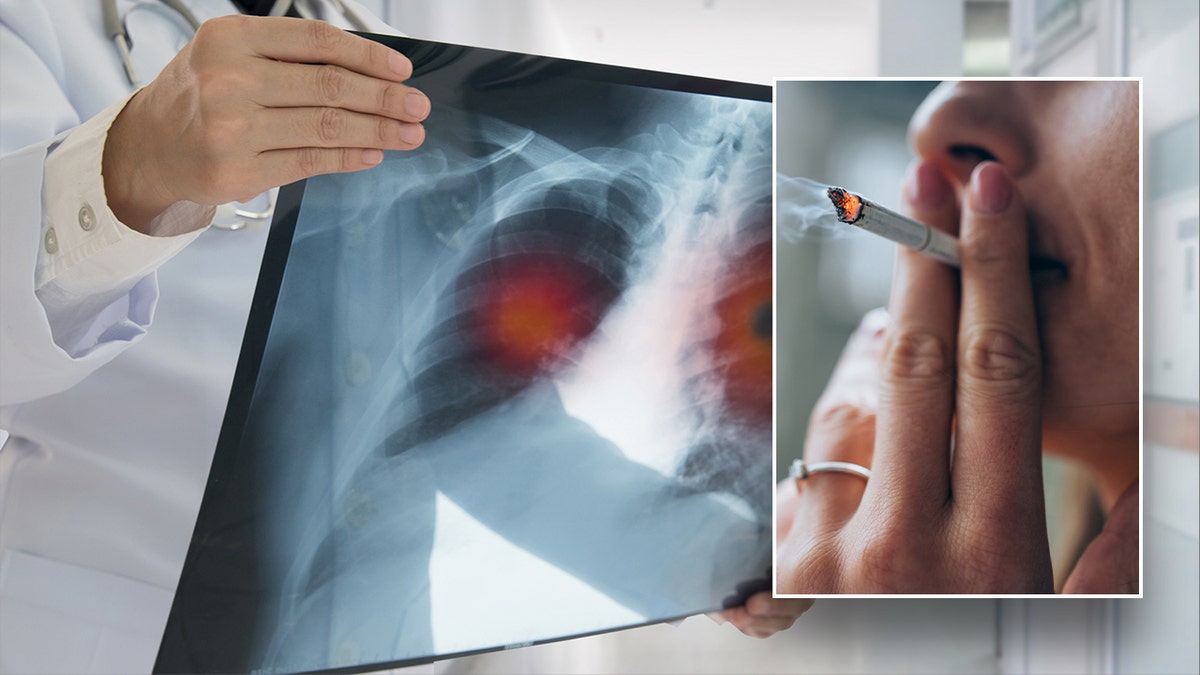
<point>252,103</point>
<point>762,616</point>
<point>958,360</point>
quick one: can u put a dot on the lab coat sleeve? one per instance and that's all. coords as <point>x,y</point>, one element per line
<point>76,286</point>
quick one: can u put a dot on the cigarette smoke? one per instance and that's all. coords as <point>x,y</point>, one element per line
<point>803,210</point>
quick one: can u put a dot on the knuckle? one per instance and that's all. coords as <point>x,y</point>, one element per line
<point>391,98</point>
<point>886,562</point>
<point>375,55</point>
<point>331,125</point>
<point>387,130</point>
<point>222,84</point>
<point>331,84</point>
<point>213,30</point>
<point>309,161</point>
<point>322,37</point>
<point>913,355</point>
<point>844,415</point>
<point>996,354</point>
<point>840,430</point>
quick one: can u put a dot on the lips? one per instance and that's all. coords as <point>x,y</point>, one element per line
<point>1045,243</point>
<point>1043,268</point>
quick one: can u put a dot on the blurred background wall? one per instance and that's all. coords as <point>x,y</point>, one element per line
<point>832,282</point>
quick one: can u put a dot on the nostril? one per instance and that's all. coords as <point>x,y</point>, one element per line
<point>971,153</point>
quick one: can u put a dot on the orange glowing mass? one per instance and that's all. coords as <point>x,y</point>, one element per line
<point>536,309</point>
<point>742,349</point>
<point>848,204</point>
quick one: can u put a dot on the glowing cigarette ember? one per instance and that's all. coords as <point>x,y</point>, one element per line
<point>853,210</point>
<point>848,204</point>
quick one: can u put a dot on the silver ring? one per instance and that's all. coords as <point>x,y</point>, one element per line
<point>799,470</point>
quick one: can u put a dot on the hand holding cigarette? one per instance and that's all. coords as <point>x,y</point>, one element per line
<point>936,516</point>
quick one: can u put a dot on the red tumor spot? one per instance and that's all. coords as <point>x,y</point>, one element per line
<point>536,310</point>
<point>742,347</point>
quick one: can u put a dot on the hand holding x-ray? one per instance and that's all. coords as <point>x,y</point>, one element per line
<point>252,103</point>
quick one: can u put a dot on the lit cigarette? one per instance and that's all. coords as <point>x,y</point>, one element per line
<point>852,209</point>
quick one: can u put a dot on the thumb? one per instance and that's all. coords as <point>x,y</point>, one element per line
<point>1110,563</point>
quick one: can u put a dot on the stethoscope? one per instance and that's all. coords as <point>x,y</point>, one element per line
<point>235,215</point>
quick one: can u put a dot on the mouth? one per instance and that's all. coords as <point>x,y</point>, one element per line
<point>1045,269</point>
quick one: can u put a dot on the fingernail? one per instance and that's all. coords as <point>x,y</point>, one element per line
<point>929,189</point>
<point>372,156</point>
<point>416,105</point>
<point>413,134</point>
<point>400,65</point>
<point>991,189</point>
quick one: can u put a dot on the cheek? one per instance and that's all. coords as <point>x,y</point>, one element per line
<point>1091,364</point>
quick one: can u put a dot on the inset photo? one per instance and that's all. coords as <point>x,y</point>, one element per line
<point>958,337</point>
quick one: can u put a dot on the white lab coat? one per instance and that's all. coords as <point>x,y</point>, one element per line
<point>102,474</point>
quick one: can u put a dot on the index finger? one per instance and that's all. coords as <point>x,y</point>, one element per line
<point>912,448</point>
<point>842,427</point>
<point>308,41</point>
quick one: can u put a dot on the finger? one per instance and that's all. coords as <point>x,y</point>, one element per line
<point>756,626</point>
<point>764,605</point>
<point>334,128</point>
<point>856,377</point>
<point>288,166</point>
<point>916,395</point>
<point>302,41</point>
<point>332,86</point>
<point>997,464</point>
<point>1110,562</point>
<point>842,428</point>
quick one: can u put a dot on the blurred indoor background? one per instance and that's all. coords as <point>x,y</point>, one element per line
<point>831,282</point>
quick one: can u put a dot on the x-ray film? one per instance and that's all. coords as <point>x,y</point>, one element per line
<point>512,387</point>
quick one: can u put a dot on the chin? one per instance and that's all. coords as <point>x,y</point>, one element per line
<point>1096,435</point>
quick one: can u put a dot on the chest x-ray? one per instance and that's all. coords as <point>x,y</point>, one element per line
<point>511,387</point>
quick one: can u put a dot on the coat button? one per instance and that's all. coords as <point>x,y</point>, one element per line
<point>87,217</point>
<point>51,241</point>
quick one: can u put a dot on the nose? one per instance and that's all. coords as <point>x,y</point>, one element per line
<point>961,124</point>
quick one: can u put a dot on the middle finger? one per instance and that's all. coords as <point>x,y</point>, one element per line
<point>296,85</point>
<point>335,128</point>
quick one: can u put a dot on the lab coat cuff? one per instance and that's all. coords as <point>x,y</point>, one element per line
<point>85,249</point>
